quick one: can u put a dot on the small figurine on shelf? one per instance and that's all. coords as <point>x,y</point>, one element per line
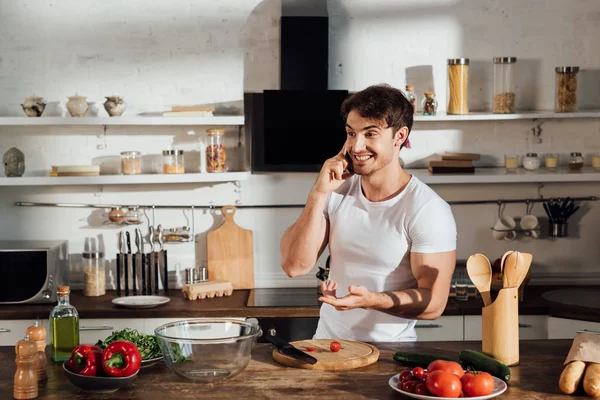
<point>429,103</point>
<point>14,162</point>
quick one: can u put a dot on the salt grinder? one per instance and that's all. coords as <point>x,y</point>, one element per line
<point>37,333</point>
<point>26,380</point>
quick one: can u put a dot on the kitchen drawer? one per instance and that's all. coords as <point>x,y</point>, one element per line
<point>92,330</point>
<point>565,328</point>
<point>11,331</point>
<point>444,328</point>
<point>531,327</point>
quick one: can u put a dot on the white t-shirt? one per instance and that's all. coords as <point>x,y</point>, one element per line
<point>370,245</point>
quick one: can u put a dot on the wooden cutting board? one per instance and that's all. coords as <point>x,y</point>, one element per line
<point>231,253</point>
<point>351,355</point>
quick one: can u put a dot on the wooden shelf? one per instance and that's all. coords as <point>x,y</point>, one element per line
<point>488,116</point>
<point>146,179</point>
<point>501,175</point>
<point>122,121</point>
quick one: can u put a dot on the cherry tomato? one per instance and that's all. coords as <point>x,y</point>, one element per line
<point>461,395</point>
<point>406,374</point>
<point>443,384</point>
<point>408,386</point>
<point>421,389</point>
<point>335,346</point>
<point>424,378</point>
<point>418,372</point>
<point>475,383</point>
<point>448,366</point>
<point>310,349</point>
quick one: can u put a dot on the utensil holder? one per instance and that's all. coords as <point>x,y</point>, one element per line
<point>500,327</point>
<point>558,229</point>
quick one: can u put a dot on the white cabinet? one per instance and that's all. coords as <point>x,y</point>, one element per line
<point>531,327</point>
<point>11,331</point>
<point>445,328</point>
<point>92,330</point>
<point>564,328</point>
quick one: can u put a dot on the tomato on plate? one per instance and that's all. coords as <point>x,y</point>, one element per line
<point>404,375</point>
<point>408,386</point>
<point>418,372</point>
<point>335,346</point>
<point>447,366</point>
<point>476,383</point>
<point>443,384</point>
<point>421,389</point>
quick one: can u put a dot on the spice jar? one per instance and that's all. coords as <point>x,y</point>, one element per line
<point>133,216</point>
<point>429,104</point>
<point>216,155</point>
<point>93,271</point>
<point>412,98</point>
<point>458,79</point>
<point>116,214</point>
<point>131,162</point>
<point>596,162</point>
<point>173,162</point>
<point>576,161</point>
<point>531,161</point>
<point>504,85</point>
<point>551,162</point>
<point>566,89</point>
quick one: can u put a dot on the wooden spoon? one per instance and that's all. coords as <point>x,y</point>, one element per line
<point>479,270</point>
<point>524,266</point>
<point>511,273</point>
<point>504,259</point>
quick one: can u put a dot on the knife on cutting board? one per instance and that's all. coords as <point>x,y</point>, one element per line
<point>289,350</point>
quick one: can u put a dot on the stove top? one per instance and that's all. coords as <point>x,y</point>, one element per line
<point>284,297</point>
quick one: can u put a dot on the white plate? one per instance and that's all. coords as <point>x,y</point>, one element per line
<point>499,388</point>
<point>140,301</point>
<point>150,362</point>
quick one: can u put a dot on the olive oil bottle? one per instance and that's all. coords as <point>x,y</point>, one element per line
<point>64,327</point>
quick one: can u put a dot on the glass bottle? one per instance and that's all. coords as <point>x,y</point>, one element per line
<point>64,326</point>
<point>216,153</point>
<point>504,85</point>
<point>458,86</point>
<point>566,89</point>
<point>412,97</point>
<point>429,104</point>
<point>576,161</point>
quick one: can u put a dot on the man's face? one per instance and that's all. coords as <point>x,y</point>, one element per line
<point>371,144</point>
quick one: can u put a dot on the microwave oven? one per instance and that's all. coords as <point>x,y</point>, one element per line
<point>31,270</point>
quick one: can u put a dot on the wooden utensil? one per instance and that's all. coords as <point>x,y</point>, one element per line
<point>231,253</point>
<point>351,355</point>
<point>503,260</point>
<point>511,271</point>
<point>524,266</point>
<point>480,273</point>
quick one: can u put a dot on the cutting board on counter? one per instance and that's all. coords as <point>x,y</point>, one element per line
<point>351,355</point>
<point>230,253</point>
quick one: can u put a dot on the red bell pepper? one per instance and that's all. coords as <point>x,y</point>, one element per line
<point>121,358</point>
<point>86,359</point>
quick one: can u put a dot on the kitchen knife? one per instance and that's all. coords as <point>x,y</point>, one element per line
<point>138,238</point>
<point>164,255</point>
<point>119,255</point>
<point>289,350</point>
<point>127,263</point>
<point>150,259</point>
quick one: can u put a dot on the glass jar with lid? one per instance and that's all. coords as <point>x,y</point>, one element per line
<point>575,161</point>
<point>216,153</point>
<point>173,162</point>
<point>133,216</point>
<point>458,85</point>
<point>131,162</point>
<point>504,85</point>
<point>531,161</point>
<point>429,103</point>
<point>566,89</point>
<point>412,97</point>
<point>93,272</point>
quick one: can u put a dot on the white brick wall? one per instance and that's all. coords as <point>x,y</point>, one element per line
<point>158,54</point>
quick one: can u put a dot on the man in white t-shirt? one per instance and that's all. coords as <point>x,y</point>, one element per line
<point>392,239</point>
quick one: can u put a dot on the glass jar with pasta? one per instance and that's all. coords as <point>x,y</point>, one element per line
<point>94,275</point>
<point>566,89</point>
<point>458,80</point>
<point>504,85</point>
<point>216,153</point>
<point>173,162</point>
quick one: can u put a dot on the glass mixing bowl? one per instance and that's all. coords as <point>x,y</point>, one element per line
<point>207,350</point>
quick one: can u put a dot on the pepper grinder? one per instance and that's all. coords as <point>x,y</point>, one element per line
<point>26,380</point>
<point>37,333</point>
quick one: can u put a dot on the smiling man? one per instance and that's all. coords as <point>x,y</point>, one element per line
<point>392,239</point>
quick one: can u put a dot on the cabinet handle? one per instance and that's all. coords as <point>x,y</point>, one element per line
<point>587,331</point>
<point>96,328</point>
<point>4,330</point>
<point>429,326</point>
<point>524,325</point>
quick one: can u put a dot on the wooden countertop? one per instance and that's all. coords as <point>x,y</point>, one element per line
<point>535,378</point>
<point>236,306</point>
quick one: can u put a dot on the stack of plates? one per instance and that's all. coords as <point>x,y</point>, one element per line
<point>75,170</point>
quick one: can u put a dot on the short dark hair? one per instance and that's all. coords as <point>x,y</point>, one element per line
<point>381,102</point>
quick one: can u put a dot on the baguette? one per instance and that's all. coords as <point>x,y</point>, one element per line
<point>571,376</point>
<point>591,381</point>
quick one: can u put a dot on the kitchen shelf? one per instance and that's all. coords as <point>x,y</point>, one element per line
<point>501,175</point>
<point>488,116</point>
<point>122,121</point>
<point>146,179</point>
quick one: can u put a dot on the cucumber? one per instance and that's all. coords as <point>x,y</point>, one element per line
<point>413,359</point>
<point>482,362</point>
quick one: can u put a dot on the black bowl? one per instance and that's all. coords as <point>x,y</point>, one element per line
<point>98,384</point>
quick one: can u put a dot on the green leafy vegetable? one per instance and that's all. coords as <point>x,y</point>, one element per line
<point>146,344</point>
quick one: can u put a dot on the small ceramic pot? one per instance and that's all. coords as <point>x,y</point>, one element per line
<point>114,105</point>
<point>33,106</point>
<point>77,106</point>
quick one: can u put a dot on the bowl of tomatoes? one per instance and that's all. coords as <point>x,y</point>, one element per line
<point>446,379</point>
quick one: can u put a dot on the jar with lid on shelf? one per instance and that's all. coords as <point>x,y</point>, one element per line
<point>458,86</point>
<point>429,103</point>
<point>504,85</point>
<point>412,97</point>
<point>116,215</point>
<point>216,153</point>
<point>566,89</point>
<point>133,216</point>
<point>173,162</point>
<point>131,162</point>
<point>531,161</point>
<point>93,271</point>
<point>575,161</point>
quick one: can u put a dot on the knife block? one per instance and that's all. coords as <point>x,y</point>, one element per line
<point>500,327</point>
